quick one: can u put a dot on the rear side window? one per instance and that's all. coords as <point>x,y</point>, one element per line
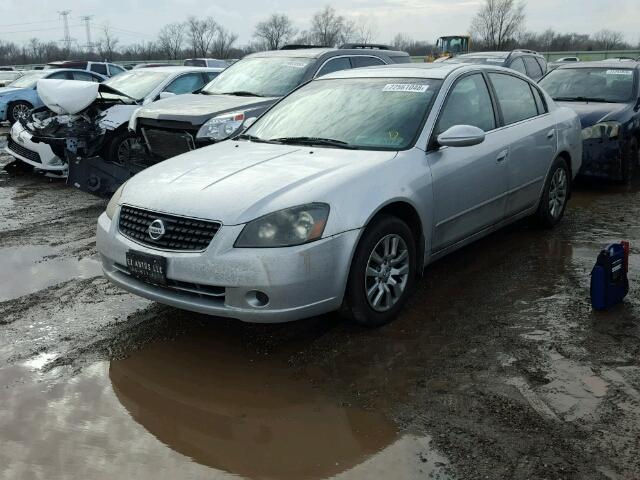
<point>401,59</point>
<point>543,64</point>
<point>468,103</point>
<point>84,76</point>
<point>115,70</point>
<point>533,68</point>
<point>518,66</point>
<point>334,65</point>
<point>61,76</point>
<point>515,98</point>
<point>542,108</point>
<point>361,61</point>
<point>195,63</point>
<point>100,68</point>
<point>210,75</point>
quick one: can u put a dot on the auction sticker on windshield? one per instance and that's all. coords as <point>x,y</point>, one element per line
<point>405,87</point>
<point>295,64</point>
<point>619,72</point>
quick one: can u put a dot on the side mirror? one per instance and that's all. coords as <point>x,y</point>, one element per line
<point>164,95</point>
<point>461,136</point>
<point>249,121</point>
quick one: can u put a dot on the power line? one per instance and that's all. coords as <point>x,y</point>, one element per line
<point>27,23</point>
<point>87,22</point>
<point>122,30</point>
<point>38,29</point>
<point>65,21</point>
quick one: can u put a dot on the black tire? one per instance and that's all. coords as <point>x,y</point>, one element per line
<point>629,164</point>
<point>14,107</point>
<point>112,151</point>
<point>357,306</point>
<point>545,215</point>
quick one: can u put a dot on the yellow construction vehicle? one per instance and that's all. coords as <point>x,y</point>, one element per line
<point>450,46</point>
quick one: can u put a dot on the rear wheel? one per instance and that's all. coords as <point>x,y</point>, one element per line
<point>383,272</point>
<point>18,110</point>
<point>555,195</point>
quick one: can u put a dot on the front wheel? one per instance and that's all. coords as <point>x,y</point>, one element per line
<point>18,110</point>
<point>124,149</point>
<point>383,272</point>
<point>555,195</point>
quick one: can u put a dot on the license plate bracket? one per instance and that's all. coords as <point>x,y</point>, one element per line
<point>148,268</point>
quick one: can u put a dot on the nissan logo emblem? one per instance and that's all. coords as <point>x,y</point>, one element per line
<point>156,229</point>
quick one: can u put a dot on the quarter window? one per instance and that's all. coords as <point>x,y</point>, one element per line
<point>334,65</point>
<point>468,103</point>
<point>539,102</point>
<point>362,61</point>
<point>515,98</point>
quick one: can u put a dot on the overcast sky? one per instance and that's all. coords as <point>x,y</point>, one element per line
<point>138,20</point>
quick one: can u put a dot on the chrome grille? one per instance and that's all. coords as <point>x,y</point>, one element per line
<point>181,233</point>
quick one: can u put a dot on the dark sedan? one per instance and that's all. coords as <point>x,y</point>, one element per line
<point>606,96</point>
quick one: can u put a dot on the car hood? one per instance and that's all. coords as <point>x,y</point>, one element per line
<point>238,181</point>
<point>591,113</point>
<point>198,108</point>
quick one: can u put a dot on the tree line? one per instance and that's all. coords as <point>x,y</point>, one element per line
<point>498,25</point>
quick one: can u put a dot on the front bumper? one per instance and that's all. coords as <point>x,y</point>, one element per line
<point>602,158</point>
<point>300,281</point>
<point>39,155</point>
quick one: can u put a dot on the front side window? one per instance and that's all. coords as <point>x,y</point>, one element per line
<point>468,103</point>
<point>597,84</point>
<point>261,76</point>
<point>533,68</point>
<point>334,65</point>
<point>185,84</point>
<point>115,70</point>
<point>518,66</point>
<point>363,113</point>
<point>515,98</point>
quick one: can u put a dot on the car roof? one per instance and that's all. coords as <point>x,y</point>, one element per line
<point>318,52</point>
<point>437,71</point>
<point>617,64</point>
<point>179,68</point>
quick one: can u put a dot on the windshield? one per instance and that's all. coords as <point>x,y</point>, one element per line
<point>137,84</point>
<point>262,76</point>
<point>367,113</point>
<point>9,75</point>
<point>613,85</point>
<point>28,81</point>
<point>479,60</point>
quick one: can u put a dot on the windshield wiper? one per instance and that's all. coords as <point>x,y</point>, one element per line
<point>581,99</point>
<point>253,138</point>
<point>328,142</point>
<point>241,93</point>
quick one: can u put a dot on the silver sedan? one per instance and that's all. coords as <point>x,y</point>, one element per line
<point>342,193</point>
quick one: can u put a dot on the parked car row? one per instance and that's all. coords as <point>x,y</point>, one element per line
<point>296,183</point>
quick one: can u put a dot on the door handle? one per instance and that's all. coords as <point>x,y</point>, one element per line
<point>502,156</point>
<point>551,134</point>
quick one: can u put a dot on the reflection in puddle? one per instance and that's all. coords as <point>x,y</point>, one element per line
<point>246,416</point>
<point>25,270</point>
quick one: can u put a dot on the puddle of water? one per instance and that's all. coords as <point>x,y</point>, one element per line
<point>25,270</point>
<point>198,407</point>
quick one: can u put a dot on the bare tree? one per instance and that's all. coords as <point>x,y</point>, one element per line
<point>202,34</point>
<point>108,43</point>
<point>223,43</point>
<point>276,31</point>
<point>327,27</point>
<point>171,39</point>
<point>365,30</point>
<point>498,23</point>
<point>608,40</point>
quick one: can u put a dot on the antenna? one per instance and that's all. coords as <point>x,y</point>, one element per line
<point>65,21</point>
<point>87,24</point>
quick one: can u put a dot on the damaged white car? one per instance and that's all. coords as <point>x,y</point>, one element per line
<point>87,122</point>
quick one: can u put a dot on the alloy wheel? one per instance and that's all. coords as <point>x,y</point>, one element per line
<point>557,192</point>
<point>387,272</point>
<point>127,150</point>
<point>20,111</point>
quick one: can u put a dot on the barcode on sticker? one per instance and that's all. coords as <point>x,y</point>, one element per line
<point>405,87</point>
<point>619,72</point>
<point>294,64</point>
<point>495,60</point>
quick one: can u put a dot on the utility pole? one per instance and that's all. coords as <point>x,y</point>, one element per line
<point>65,21</point>
<point>87,24</point>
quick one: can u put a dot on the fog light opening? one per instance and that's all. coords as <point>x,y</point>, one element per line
<point>257,299</point>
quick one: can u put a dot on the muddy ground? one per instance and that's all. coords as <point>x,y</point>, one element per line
<point>498,368</point>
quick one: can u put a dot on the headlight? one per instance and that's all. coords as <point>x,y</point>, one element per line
<point>601,130</point>
<point>221,127</point>
<point>285,228</point>
<point>113,203</point>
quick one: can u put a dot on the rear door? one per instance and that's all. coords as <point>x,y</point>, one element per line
<point>469,183</point>
<point>531,133</point>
